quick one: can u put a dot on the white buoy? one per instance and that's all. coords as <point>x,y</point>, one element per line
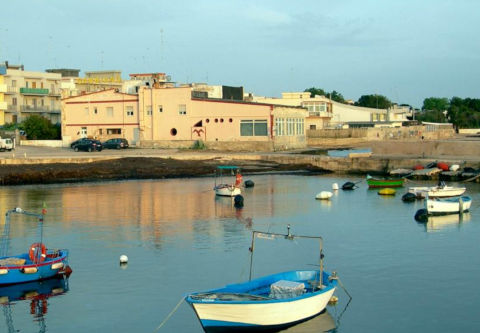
<point>123,259</point>
<point>324,195</point>
<point>335,186</point>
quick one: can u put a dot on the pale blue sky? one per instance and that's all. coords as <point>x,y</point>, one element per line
<point>406,50</point>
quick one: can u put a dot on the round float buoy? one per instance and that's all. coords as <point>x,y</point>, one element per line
<point>421,215</point>
<point>238,201</point>
<point>409,197</point>
<point>123,259</point>
<point>249,183</point>
<point>333,300</point>
<point>334,186</point>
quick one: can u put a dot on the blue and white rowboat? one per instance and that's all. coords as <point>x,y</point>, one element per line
<point>39,263</point>
<point>269,302</point>
<point>254,304</point>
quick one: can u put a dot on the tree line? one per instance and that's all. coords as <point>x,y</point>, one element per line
<point>461,112</point>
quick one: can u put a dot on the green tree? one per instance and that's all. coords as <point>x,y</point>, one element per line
<point>315,91</point>
<point>432,116</point>
<point>374,101</point>
<point>337,97</point>
<point>40,128</point>
<point>436,103</point>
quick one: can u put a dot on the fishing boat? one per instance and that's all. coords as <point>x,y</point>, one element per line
<point>270,302</point>
<point>439,191</point>
<point>224,188</point>
<point>442,206</point>
<point>384,182</point>
<point>38,263</point>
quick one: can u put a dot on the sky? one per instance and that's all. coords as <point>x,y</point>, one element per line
<point>405,50</point>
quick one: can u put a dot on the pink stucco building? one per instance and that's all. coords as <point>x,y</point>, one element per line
<point>177,117</point>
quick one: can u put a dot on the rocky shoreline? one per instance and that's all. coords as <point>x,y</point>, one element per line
<point>133,168</point>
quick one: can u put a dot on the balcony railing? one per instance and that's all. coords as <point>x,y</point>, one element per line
<point>12,90</point>
<point>33,91</point>
<point>39,109</point>
<point>320,114</point>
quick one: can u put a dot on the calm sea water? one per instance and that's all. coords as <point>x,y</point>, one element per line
<point>179,238</point>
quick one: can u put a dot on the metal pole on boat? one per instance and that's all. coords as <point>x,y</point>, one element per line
<point>252,246</point>
<point>320,240</point>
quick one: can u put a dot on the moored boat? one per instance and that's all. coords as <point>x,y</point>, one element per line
<point>384,182</point>
<point>269,302</point>
<point>387,191</point>
<point>223,188</point>
<point>39,263</point>
<point>454,205</point>
<point>439,191</point>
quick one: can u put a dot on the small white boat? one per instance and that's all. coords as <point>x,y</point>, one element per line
<point>455,205</point>
<point>324,195</point>
<point>439,191</point>
<point>270,302</point>
<point>222,188</point>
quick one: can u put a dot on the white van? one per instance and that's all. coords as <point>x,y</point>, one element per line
<point>6,144</point>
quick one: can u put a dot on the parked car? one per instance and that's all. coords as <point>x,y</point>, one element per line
<point>76,142</point>
<point>88,145</point>
<point>117,143</point>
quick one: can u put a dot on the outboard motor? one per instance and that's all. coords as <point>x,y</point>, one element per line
<point>348,186</point>
<point>409,197</point>
<point>238,201</point>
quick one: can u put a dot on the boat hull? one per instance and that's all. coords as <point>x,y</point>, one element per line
<point>29,272</point>
<point>227,190</point>
<point>448,206</point>
<point>266,313</point>
<point>377,183</point>
<point>437,191</point>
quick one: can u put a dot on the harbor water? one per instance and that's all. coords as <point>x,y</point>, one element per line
<point>179,238</point>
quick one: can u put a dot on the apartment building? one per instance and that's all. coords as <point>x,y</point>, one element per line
<point>3,90</point>
<point>29,92</point>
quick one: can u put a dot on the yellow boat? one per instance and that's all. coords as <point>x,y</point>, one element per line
<point>387,191</point>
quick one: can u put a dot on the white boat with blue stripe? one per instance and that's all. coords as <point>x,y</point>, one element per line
<point>270,302</point>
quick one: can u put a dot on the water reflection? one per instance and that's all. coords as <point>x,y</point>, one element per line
<point>324,322</point>
<point>436,223</point>
<point>37,294</point>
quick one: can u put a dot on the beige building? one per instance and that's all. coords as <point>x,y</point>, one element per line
<point>3,90</point>
<point>30,93</point>
<point>101,115</point>
<point>319,109</point>
<point>175,117</point>
<point>326,113</point>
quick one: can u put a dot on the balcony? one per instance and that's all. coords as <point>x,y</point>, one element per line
<point>34,91</point>
<point>323,114</point>
<point>12,90</point>
<point>37,109</point>
<point>3,88</point>
<point>54,92</point>
<point>3,106</point>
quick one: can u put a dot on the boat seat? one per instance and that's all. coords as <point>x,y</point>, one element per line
<point>12,261</point>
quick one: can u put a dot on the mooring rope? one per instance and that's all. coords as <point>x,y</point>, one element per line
<point>335,276</point>
<point>170,314</point>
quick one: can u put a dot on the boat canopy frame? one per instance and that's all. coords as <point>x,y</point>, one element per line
<point>288,236</point>
<point>5,245</point>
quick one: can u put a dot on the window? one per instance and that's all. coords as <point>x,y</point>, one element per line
<point>95,111</point>
<point>85,111</point>
<point>129,110</point>
<point>182,109</point>
<point>114,131</point>
<point>109,111</point>
<point>83,132</point>
<point>253,128</point>
<point>14,101</point>
<point>279,126</point>
<point>149,110</point>
<point>14,83</point>
<point>160,108</point>
<point>26,84</point>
